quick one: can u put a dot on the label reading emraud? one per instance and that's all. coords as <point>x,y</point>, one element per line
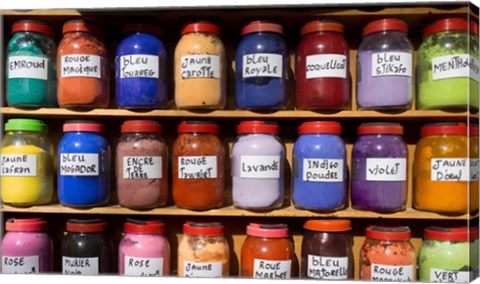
<point>455,66</point>
<point>142,266</point>
<point>19,165</point>
<point>262,65</point>
<point>79,164</point>
<point>33,67</point>
<point>202,269</point>
<point>396,273</point>
<point>448,276</point>
<point>142,167</point>
<point>450,169</point>
<point>139,66</point>
<point>200,66</point>
<point>392,64</point>
<point>326,66</point>
<point>20,264</point>
<point>323,170</point>
<point>81,65</point>
<point>197,167</point>
<point>80,265</point>
<point>327,268</point>
<point>386,169</point>
<point>260,167</point>
<point>271,269</point>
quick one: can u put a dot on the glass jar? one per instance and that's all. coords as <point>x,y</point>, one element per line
<point>200,68</point>
<point>440,169</point>
<point>474,168</point>
<point>319,167</point>
<point>198,166</point>
<point>144,250</point>
<point>261,67</point>
<point>83,73</point>
<point>379,168</point>
<point>142,165</point>
<point>327,250</point>
<point>257,161</point>
<point>447,66</point>
<point>86,248</point>
<point>83,165</point>
<point>384,66</point>
<point>141,68</point>
<point>31,73</point>
<point>322,67</point>
<point>474,251</point>
<point>27,248</point>
<point>267,253</point>
<point>27,163</point>
<point>387,255</point>
<point>203,251</point>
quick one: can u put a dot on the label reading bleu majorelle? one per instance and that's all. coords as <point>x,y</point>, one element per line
<point>81,65</point>
<point>262,65</point>
<point>327,267</point>
<point>32,67</point>
<point>142,266</point>
<point>272,269</point>
<point>202,269</point>
<point>20,264</point>
<point>455,66</point>
<point>392,64</point>
<point>260,167</point>
<point>80,265</point>
<point>322,170</point>
<point>139,66</point>
<point>326,66</point>
<point>474,170</point>
<point>449,276</point>
<point>397,273</point>
<point>79,164</point>
<point>197,167</point>
<point>450,169</point>
<point>200,66</point>
<point>142,167</point>
<point>386,169</point>
<point>16,165</point>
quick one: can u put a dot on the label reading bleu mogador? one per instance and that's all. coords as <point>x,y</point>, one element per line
<point>79,164</point>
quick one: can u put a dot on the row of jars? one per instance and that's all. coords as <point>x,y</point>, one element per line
<point>447,67</point>
<point>266,253</point>
<point>445,168</point>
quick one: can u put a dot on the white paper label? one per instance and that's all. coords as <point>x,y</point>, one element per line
<point>450,169</point>
<point>326,66</point>
<point>455,66</point>
<point>81,65</point>
<point>139,66</point>
<point>80,265</point>
<point>448,276</point>
<point>260,167</point>
<point>20,264</point>
<point>200,66</point>
<point>386,169</point>
<point>142,167</point>
<point>392,64</point>
<point>140,266</point>
<point>272,269</point>
<point>28,67</point>
<point>323,170</point>
<point>19,165</point>
<point>327,268</point>
<point>262,65</point>
<point>197,167</point>
<point>202,269</point>
<point>396,273</point>
<point>474,170</point>
<point>79,164</point>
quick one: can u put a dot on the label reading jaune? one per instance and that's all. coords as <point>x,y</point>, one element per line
<point>17,165</point>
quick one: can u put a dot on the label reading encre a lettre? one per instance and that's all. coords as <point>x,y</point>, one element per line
<point>143,266</point>
<point>202,269</point>
<point>142,167</point>
<point>20,264</point>
<point>197,167</point>
<point>79,164</point>
<point>32,67</point>
<point>272,269</point>
<point>17,165</point>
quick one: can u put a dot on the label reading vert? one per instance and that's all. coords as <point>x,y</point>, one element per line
<point>449,276</point>
<point>79,164</point>
<point>392,64</point>
<point>323,170</point>
<point>272,269</point>
<point>326,66</point>
<point>262,65</point>
<point>386,169</point>
<point>32,67</point>
<point>197,167</point>
<point>142,167</point>
<point>142,266</point>
<point>396,273</point>
<point>139,66</point>
<point>20,264</point>
<point>260,167</point>
<point>81,65</point>
<point>202,269</point>
<point>455,66</point>
<point>200,66</point>
<point>450,169</point>
<point>327,268</point>
<point>80,265</point>
<point>15,165</point>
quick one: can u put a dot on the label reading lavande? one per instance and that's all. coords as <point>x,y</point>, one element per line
<point>323,170</point>
<point>197,167</point>
<point>142,167</point>
<point>79,164</point>
<point>450,169</point>
<point>262,65</point>
<point>202,269</point>
<point>139,66</point>
<point>260,167</point>
<point>32,67</point>
<point>327,268</point>
<point>20,264</point>
<point>272,269</point>
<point>142,266</point>
<point>81,65</point>
<point>19,165</point>
<point>396,273</point>
<point>200,66</point>
<point>326,66</point>
<point>80,265</point>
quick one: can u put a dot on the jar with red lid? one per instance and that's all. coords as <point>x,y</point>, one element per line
<point>327,250</point>
<point>267,253</point>
<point>198,166</point>
<point>322,67</point>
<point>83,69</point>
<point>142,165</point>
<point>203,251</point>
<point>388,255</point>
<point>144,250</point>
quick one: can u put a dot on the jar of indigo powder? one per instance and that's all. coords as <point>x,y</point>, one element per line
<point>261,67</point>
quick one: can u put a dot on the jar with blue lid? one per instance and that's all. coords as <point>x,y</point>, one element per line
<point>261,67</point>
<point>140,68</point>
<point>83,165</point>
<point>319,167</point>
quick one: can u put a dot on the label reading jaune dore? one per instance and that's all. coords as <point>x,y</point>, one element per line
<point>139,66</point>
<point>19,165</point>
<point>455,66</point>
<point>32,67</point>
<point>386,169</point>
<point>272,269</point>
<point>20,264</point>
<point>392,64</point>
<point>262,65</point>
<point>474,170</point>
<point>450,169</point>
<point>327,268</point>
<point>400,273</point>
<point>202,269</point>
<point>326,66</point>
<point>79,164</point>
<point>80,265</point>
<point>81,65</point>
<point>142,167</point>
<point>141,266</point>
<point>448,276</point>
<point>200,66</point>
<point>197,167</point>
<point>260,167</point>
<point>323,170</point>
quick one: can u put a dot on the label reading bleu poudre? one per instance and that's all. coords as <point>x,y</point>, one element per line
<point>327,268</point>
<point>141,266</point>
<point>272,269</point>
<point>80,265</point>
<point>79,164</point>
<point>455,66</point>
<point>200,66</point>
<point>260,167</point>
<point>139,66</point>
<point>386,169</point>
<point>20,264</point>
<point>19,165</point>
<point>81,65</point>
<point>32,67</point>
<point>391,64</point>
<point>262,65</point>
<point>202,269</point>
<point>142,167</point>
<point>326,66</point>
<point>396,273</point>
<point>197,167</point>
<point>450,169</point>
<point>323,170</point>
<point>448,276</point>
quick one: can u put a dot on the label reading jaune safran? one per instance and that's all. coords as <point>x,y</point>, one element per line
<point>19,165</point>
<point>32,67</point>
<point>327,268</point>
<point>142,266</point>
<point>79,164</point>
<point>142,167</point>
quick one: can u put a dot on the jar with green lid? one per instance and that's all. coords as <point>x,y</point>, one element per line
<point>27,163</point>
<point>448,69</point>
